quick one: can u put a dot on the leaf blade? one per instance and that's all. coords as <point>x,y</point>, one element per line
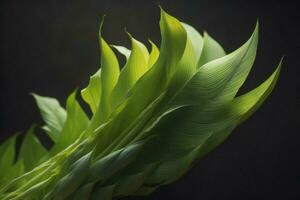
<point>32,151</point>
<point>53,114</point>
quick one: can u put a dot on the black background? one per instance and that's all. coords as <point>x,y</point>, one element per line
<point>50,47</point>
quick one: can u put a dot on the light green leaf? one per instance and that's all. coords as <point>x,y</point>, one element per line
<point>174,38</point>
<point>248,103</point>
<point>211,50</point>
<point>76,123</point>
<point>122,50</point>
<point>242,107</point>
<point>110,74</point>
<point>31,192</point>
<point>7,157</point>
<point>53,114</point>
<point>154,54</point>
<point>195,38</point>
<point>134,68</point>
<point>31,151</point>
<point>186,69</point>
<point>92,93</point>
<point>16,170</point>
<point>220,79</point>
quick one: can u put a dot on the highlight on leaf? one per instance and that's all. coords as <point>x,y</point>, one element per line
<point>151,120</point>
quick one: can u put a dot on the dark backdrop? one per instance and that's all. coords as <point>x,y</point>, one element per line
<point>50,47</point>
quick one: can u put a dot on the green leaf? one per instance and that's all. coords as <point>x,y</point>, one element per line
<point>242,107</point>
<point>16,170</point>
<point>110,74</point>
<point>122,50</point>
<point>135,67</point>
<point>106,167</point>
<point>103,193</point>
<point>92,93</point>
<point>7,157</point>
<point>76,123</point>
<point>154,54</point>
<point>7,153</point>
<point>129,182</point>
<point>83,193</point>
<point>31,192</point>
<point>70,182</point>
<point>248,103</point>
<point>220,79</point>
<point>171,169</point>
<point>186,69</point>
<point>173,39</point>
<point>32,151</point>
<point>196,40</point>
<point>211,50</point>
<point>53,114</point>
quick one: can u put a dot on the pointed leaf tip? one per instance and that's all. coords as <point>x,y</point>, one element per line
<point>128,34</point>
<point>101,26</point>
<point>256,30</point>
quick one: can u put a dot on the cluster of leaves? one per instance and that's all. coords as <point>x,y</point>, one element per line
<point>151,120</point>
